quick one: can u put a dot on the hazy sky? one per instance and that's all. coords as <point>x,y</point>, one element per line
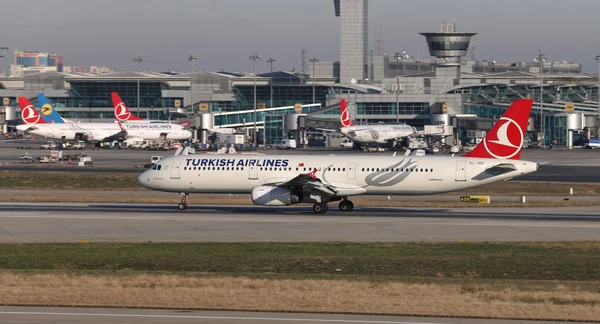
<point>223,33</point>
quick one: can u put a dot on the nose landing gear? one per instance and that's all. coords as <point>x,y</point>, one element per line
<point>183,204</point>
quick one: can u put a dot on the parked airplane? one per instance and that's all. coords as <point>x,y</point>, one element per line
<point>281,180</point>
<point>48,113</point>
<point>373,134</point>
<point>99,132</point>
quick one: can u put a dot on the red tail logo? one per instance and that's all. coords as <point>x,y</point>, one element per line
<point>505,139</point>
<point>28,114</point>
<point>313,174</point>
<point>345,119</point>
<point>121,111</point>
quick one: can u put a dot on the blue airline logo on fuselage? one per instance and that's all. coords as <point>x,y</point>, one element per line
<point>237,162</point>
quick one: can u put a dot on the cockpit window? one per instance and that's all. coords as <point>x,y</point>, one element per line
<point>158,168</point>
<point>153,167</point>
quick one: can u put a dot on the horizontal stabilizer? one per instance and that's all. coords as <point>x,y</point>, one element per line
<point>502,168</point>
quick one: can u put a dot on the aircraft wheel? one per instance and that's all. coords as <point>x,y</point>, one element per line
<point>320,208</point>
<point>182,206</point>
<point>346,206</point>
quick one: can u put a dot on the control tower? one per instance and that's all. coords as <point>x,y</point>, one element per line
<point>448,47</point>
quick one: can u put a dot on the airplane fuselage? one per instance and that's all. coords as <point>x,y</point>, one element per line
<point>377,134</point>
<point>100,131</point>
<point>349,174</point>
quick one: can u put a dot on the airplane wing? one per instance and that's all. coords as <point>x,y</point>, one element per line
<point>307,183</point>
<point>501,168</point>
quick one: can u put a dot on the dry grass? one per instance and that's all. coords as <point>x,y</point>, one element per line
<point>554,301</point>
<point>359,201</point>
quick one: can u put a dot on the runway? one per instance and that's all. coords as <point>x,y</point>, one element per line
<point>64,315</point>
<point>30,222</point>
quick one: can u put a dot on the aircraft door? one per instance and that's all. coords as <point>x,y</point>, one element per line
<point>253,172</point>
<point>352,171</point>
<point>461,171</point>
<point>175,169</point>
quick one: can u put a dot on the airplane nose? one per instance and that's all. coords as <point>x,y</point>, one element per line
<point>144,179</point>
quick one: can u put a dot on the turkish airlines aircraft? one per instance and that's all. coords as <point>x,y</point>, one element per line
<point>99,132</point>
<point>281,180</point>
<point>372,134</point>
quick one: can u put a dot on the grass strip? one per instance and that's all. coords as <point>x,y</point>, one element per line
<point>554,301</point>
<point>532,261</point>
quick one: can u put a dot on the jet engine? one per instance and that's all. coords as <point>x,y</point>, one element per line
<point>273,196</point>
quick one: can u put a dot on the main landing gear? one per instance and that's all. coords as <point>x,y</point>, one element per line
<point>183,204</point>
<point>344,206</point>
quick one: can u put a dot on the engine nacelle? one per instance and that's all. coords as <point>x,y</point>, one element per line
<point>273,196</point>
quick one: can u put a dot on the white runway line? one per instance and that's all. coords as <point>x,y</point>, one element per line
<point>314,320</point>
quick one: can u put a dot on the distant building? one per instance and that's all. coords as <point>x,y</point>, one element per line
<point>38,59</point>
<point>100,69</point>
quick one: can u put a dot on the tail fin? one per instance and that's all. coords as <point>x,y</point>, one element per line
<point>505,139</point>
<point>29,115</point>
<point>48,113</point>
<point>122,113</point>
<point>345,118</point>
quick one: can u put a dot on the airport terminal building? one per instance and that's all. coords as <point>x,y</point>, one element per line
<point>466,94</point>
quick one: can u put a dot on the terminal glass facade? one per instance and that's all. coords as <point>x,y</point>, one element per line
<point>96,94</point>
<point>389,108</point>
<point>282,95</point>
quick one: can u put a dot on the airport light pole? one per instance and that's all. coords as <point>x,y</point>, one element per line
<point>3,48</point>
<point>541,58</point>
<point>398,57</point>
<point>313,60</point>
<point>138,60</point>
<point>193,58</point>
<point>255,57</point>
<point>271,60</point>
<point>597,58</point>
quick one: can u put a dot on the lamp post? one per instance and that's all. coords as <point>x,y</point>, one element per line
<point>254,57</point>
<point>597,58</point>
<point>398,57</point>
<point>313,60</point>
<point>138,60</point>
<point>271,60</point>
<point>541,58</point>
<point>193,58</point>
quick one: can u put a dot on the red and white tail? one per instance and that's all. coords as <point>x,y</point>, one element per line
<point>122,113</point>
<point>29,115</point>
<point>345,118</point>
<point>505,139</point>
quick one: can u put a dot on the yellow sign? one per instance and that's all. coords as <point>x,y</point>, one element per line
<point>262,105</point>
<point>475,199</point>
<point>445,108</point>
<point>47,109</point>
<point>298,108</point>
<point>203,107</point>
<point>570,107</point>
<point>177,103</point>
<point>6,101</point>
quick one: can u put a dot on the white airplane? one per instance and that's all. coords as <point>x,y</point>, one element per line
<point>100,132</point>
<point>281,180</point>
<point>372,134</point>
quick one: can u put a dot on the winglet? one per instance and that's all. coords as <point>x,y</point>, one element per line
<point>29,115</point>
<point>121,111</point>
<point>345,118</point>
<point>505,139</point>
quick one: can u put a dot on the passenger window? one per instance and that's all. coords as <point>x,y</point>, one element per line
<point>344,169</point>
